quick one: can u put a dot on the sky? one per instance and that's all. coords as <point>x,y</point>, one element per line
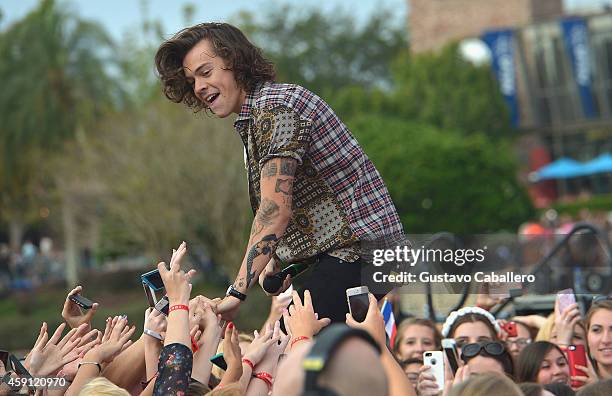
<point>119,15</point>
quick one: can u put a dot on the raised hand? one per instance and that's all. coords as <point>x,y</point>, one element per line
<point>301,320</point>
<point>73,314</point>
<point>155,321</point>
<point>49,355</point>
<point>176,282</point>
<point>374,323</point>
<point>116,338</point>
<point>276,348</point>
<point>231,354</point>
<point>565,322</point>
<point>260,344</point>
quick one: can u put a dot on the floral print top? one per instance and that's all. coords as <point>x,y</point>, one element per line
<point>174,370</point>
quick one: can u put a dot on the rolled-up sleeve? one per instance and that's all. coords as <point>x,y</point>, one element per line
<point>290,133</point>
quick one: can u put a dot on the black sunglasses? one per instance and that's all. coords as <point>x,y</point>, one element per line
<point>493,348</point>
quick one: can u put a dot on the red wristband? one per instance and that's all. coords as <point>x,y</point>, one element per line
<point>194,346</point>
<point>265,377</point>
<point>298,339</point>
<point>249,363</point>
<point>177,307</point>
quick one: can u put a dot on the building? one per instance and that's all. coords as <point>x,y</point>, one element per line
<point>555,71</point>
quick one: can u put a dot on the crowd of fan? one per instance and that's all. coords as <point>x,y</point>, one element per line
<point>272,361</point>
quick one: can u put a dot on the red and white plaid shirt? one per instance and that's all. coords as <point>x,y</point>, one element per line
<point>339,198</point>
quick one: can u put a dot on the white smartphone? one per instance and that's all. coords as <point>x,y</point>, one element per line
<point>435,360</point>
<point>566,298</point>
<point>358,302</point>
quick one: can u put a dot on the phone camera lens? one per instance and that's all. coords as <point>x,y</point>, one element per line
<point>433,361</point>
<point>428,354</point>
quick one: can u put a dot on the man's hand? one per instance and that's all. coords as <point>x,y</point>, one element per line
<point>273,268</point>
<point>73,314</point>
<point>227,307</point>
<point>301,320</point>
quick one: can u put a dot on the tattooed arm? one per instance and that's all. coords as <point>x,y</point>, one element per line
<point>271,219</point>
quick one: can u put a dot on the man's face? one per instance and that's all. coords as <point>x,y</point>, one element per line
<point>212,82</point>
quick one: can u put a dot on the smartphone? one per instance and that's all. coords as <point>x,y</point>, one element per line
<point>219,361</point>
<point>152,283</point>
<point>450,350</point>
<point>18,367</point>
<point>510,329</point>
<point>163,305</point>
<point>435,360</point>
<point>81,301</point>
<point>576,354</point>
<point>358,302</point>
<point>566,298</point>
<point>4,358</point>
<point>153,279</point>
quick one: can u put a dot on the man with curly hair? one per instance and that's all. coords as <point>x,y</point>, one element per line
<point>316,196</point>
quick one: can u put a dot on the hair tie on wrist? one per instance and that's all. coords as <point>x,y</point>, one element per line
<point>177,307</point>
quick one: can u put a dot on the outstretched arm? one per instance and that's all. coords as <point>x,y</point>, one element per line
<point>271,219</point>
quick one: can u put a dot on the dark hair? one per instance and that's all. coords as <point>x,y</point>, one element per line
<point>599,388</point>
<point>531,389</point>
<point>473,318</point>
<point>503,358</point>
<point>240,55</point>
<point>559,389</point>
<point>530,360</point>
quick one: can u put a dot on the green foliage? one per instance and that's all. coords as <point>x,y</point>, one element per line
<point>443,181</point>
<point>52,67</point>
<point>327,52</point>
<point>446,91</point>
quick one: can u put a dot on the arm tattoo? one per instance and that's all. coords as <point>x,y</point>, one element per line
<point>269,169</point>
<point>268,211</point>
<point>288,166</point>
<point>264,247</point>
<point>284,186</point>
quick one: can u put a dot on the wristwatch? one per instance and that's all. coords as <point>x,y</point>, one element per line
<point>231,291</point>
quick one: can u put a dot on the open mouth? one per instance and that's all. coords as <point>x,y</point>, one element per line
<point>211,98</point>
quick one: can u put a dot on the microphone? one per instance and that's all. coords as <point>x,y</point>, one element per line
<point>273,283</point>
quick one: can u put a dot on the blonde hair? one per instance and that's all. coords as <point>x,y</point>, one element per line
<point>545,332</point>
<point>485,385</point>
<point>229,390</point>
<point>100,386</point>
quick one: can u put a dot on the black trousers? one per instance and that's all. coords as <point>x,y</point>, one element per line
<point>327,280</point>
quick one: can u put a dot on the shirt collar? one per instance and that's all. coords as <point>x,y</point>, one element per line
<point>249,103</point>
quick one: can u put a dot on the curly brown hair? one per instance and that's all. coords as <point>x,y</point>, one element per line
<point>240,55</point>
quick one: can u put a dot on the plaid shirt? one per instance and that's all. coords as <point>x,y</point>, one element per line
<point>339,198</point>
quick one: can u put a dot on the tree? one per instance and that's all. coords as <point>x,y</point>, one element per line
<point>442,180</point>
<point>447,91</point>
<point>54,82</point>
<point>327,52</point>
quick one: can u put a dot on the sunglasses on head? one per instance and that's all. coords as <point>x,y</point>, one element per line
<point>493,348</point>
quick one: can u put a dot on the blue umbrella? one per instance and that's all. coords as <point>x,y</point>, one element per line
<point>563,168</point>
<point>601,164</point>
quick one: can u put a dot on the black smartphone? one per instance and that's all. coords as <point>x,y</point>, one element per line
<point>81,301</point>
<point>450,349</point>
<point>219,361</point>
<point>163,305</point>
<point>4,355</point>
<point>18,367</point>
<point>358,302</point>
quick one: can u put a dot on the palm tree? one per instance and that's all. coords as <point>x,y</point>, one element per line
<point>55,73</point>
